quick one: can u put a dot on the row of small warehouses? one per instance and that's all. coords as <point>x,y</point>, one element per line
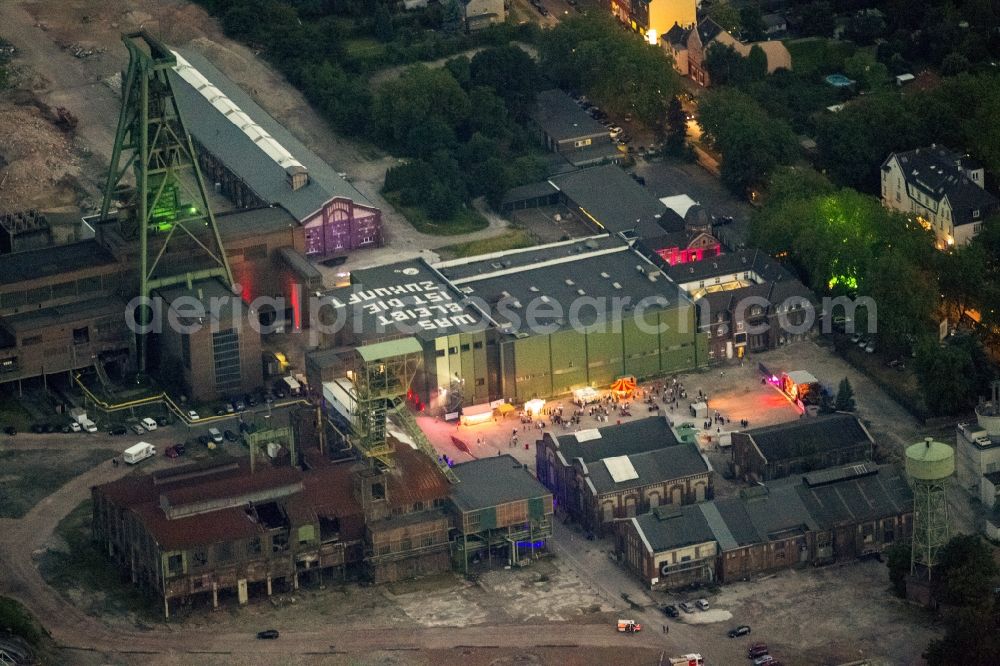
<point>818,497</point>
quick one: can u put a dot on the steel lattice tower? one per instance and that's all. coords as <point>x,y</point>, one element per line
<point>170,195</point>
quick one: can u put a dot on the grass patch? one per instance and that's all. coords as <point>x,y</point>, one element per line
<point>817,56</point>
<point>511,240</point>
<point>364,48</point>
<point>12,413</point>
<point>466,220</point>
<point>84,568</point>
<point>16,619</point>
<point>26,477</point>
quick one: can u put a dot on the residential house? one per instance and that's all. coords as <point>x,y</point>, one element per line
<point>944,190</point>
<point>689,46</point>
<point>481,14</point>
<point>652,18</point>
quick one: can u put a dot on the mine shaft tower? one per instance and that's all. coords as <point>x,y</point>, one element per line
<point>380,377</point>
<point>170,195</point>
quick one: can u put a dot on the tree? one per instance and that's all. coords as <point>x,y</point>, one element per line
<point>727,67</point>
<point>676,127</point>
<point>511,73</point>
<point>845,396</point>
<point>898,563</point>
<point>948,376</point>
<point>752,23</point>
<point>756,63</point>
<point>441,203</point>
<point>954,63</point>
<point>868,72</point>
<point>453,16</point>
<point>725,15</point>
<point>383,24</point>
<point>966,570</point>
<point>818,19</point>
<point>420,96</point>
<point>752,143</point>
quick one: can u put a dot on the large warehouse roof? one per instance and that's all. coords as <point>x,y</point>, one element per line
<point>610,198</point>
<point>629,438</point>
<point>562,118</point>
<point>252,144</point>
<point>551,278</point>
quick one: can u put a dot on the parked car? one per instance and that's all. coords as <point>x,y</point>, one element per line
<point>267,634</point>
<point>171,452</point>
<point>230,436</point>
<point>763,659</point>
<point>149,424</point>
<point>615,131</point>
<point>687,607</point>
<point>118,430</point>
<point>193,415</point>
<point>250,399</point>
<point>239,405</point>
<point>138,429</point>
<point>204,440</point>
<point>670,610</point>
<point>215,435</point>
<point>162,421</point>
<point>870,347</point>
<point>702,604</point>
<point>756,650</point>
<point>856,338</point>
<point>741,630</point>
<point>10,430</point>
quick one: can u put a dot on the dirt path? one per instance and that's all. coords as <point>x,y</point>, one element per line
<point>392,72</point>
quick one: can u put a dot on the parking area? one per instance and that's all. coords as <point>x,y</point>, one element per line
<point>830,615</point>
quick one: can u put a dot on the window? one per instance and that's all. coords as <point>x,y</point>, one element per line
<point>31,340</point>
<point>439,353</point>
<point>383,550</point>
<point>81,336</point>
<point>581,143</point>
<point>452,350</point>
<point>224,551</point>
<point>418,506</point>
<point>378,491</point>
<point>200,557</point>
<point>9,364</point>
<point>253,546</point>
<point>477,345</point>
<point>975,214</point>
<point>428,541</point>
<point>175,564</point>
<point>465,347</point>
<point>480,381</point>
<point>279,542</point>
<point>226,354</point>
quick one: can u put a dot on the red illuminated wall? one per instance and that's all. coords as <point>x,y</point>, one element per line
<point>675,255</point>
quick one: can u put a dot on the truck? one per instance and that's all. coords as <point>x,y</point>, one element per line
<point>629,626</point>
<point>138,452</point>
<point>687,660</point>
<point>294,388</point>
<point>79,415</point>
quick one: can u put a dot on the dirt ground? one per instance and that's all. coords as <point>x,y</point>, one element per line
<point>829,615</point>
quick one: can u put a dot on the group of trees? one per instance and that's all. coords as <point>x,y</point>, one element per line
<point>752,142</point>
<point>591,53</point>
<point>842,242</point>
<point>967,575</point>
<point>461,125</point>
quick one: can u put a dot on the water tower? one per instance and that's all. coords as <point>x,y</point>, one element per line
<point>929,464</point>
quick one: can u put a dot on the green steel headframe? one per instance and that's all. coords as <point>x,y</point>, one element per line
<point>170,195</point>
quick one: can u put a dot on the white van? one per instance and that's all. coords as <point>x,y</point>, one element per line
<point>140,451</point>
<point>215,435</point>
<point>149,424</point>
